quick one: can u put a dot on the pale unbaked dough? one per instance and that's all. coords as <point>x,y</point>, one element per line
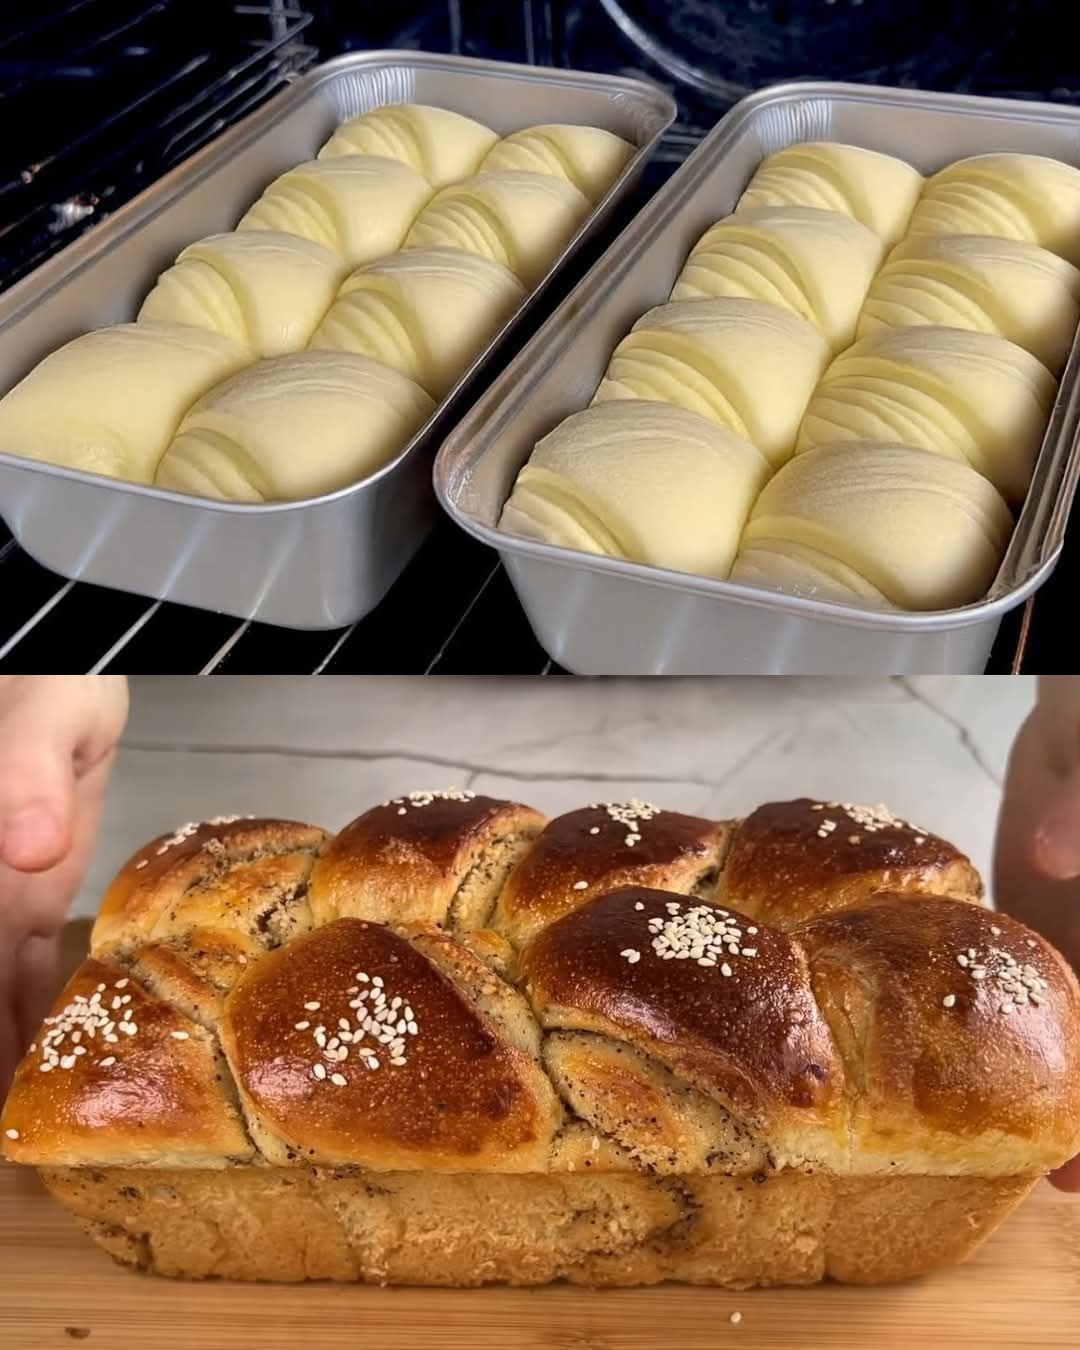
<point>262,288</point>
<point>442,145</point>
<point>970,396</point>
<point>876,525</point>
<point>642,481</point>
<point>292,427</point>
<point>1006,286</point>
<point>522,220</point>
<point>878,190</point>
<point>748,365</point>
<point>360,206</point>
<point>589,157</point>
<point>109,401</point>
<point>427,312</point>
<point>818,264</point>
<point>1014,196</point>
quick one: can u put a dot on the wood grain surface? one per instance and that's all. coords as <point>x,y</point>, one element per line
<point>1021,1291</point>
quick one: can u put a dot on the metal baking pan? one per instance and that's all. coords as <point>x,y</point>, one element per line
<point>602,616</point>
<point>325,561</point>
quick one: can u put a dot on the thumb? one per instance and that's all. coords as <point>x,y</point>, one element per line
<point>37,793</point>
<point>1067,1178</point>
<point>1055,842</point>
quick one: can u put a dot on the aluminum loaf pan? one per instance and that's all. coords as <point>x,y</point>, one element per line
<point>602,616</point>
<point>325,561</point>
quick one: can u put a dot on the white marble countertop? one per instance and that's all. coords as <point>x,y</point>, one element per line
<point>932,748</point>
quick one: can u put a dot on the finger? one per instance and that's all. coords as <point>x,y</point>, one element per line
<point>1067,1178</point>
<point>37,797</point>
<point>1055,843</point>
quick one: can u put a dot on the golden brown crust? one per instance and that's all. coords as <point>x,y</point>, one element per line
<point>960,1034</point>
<point>196,971</point>
<point>440,1089</point>
<point>427,857</point>
<point>745,1029</point>
<point>585,853</point>
<point>790,861</point>
<point>93,1093</point>
<point>230,873</point>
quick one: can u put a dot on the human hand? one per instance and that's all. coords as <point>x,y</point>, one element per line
<point>58,736</point>
<point>1037,854</point>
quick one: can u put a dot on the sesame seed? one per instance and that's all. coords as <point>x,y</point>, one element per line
<point>752,931</point>
<point>318,1070</point>
<point>403,811</point>
<point>397,1059</point>
<point>121,984</point>
<point>1031,942</point>
<point>1006,1007</point>
<point>313,1006</point>
<point>748,951</point>
<point>301,1026</point>
<point>961,959</point>
<point>595,829</point>
<point>581,885</point>
<point>141,863</point>
<point>179,1035</point>
<point>108,1061</point>
<point>12,1134</point>
<point>735,1318</point>
<point>725,969</point>
<point>631,954</point>
<point>339,1080</point>
<point>854,838</point>
<point>128,1028</point>
<point>638,904</point>
<point>46,1067</point>
<point>920,838</point>
<point>949,1000</point>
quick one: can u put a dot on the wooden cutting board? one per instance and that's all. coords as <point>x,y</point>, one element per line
<point>1021,1291</point>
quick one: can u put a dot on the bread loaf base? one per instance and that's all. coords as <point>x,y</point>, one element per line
<point>600,1229</point>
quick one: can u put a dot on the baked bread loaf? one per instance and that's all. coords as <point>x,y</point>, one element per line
<point>521,220</point>
<point>971,396</point>
<point>878,190</point>
<point>428,312</point>
<point>1009,195</point>
<point>773,1070</point>
<point>818,264</point>
<point>441,145</point>
<point>632,1105</point>
<point>589,157</point>
<point>748,365</point>
<point>292,427</point>
<point>261,288</point>
<point>1004,286</point>
<point>875,525</point>
<point>639,480</point>
<point>359,206</point>
<point>74,410</point>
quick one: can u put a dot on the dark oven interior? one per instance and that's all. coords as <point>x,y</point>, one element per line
<point>100,97</point>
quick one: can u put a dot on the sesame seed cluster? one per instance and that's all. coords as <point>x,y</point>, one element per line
<point>871,819</point>
<point>86,1024</point>
<point>379,1023</point>
<point>705,934</point>
<point>1014,984</point>
<point>627,814</point>
<point>186,831</point>
<point>419,799</point>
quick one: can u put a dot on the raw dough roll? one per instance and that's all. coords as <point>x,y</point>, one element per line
<point>1013,196</point>
<point>878,190</point>
<point>109,401</point>
<point>360,206</point>
<point>262,288</point>
<point>748,365</point>
<point>588,157</point>
<point>1006,286</point>
<point>818,264</point>
<point>648,482</point>
<point>522,220</point>
<point>427,312</point>
<point>294,426</point>
<point>971,396</point>
<point>441,145</point>
<point>878,525</point>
